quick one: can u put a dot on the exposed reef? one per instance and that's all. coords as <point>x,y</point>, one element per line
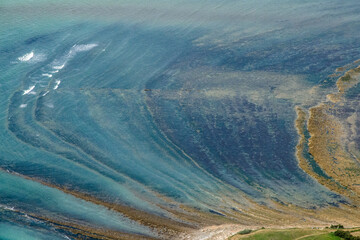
<point>330,151</point>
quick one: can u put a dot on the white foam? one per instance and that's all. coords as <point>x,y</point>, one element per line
<point>60,63</point>
<point>38,58</point>
<point>29,218</point>
<point>57,84</point>
<point>56,71</point>
<point>26,57</point>
<point>7,208</point>
<point>59,67</point>
<point>47,75</point>
<point>45,93</point>
<point>83,47</point>
<point>29,90</point>
<point>24,105</point>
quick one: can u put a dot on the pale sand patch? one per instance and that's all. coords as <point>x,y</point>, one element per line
<point>219,232</point>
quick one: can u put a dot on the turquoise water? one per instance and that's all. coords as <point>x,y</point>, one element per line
<point>161,103</point>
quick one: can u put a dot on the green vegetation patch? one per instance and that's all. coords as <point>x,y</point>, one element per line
<point>339,226</point>
<point>327,236</point>
<point>288,234</point>
<point>345,235</point>
<point>346,77</point>
<point>245,231</point>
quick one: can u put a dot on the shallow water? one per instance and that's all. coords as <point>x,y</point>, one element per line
<point>159,104</point>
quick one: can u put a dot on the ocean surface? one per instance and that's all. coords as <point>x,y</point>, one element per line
<point>166,108</point>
